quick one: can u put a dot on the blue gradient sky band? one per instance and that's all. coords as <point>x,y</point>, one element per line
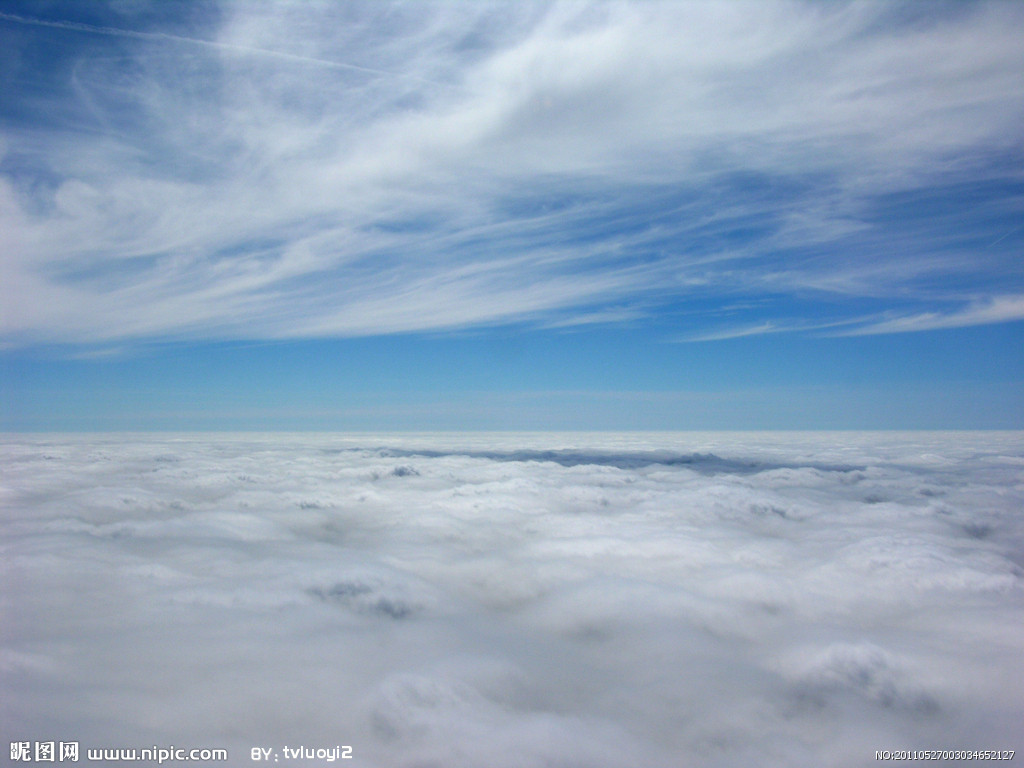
<point>455,215</point>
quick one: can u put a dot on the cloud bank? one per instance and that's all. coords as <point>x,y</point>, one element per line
<point>285,170</point>
<point>523,600</point>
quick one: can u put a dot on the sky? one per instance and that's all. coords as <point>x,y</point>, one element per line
<point>529,215</point>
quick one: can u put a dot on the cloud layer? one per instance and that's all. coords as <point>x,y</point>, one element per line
<point>517,600</point>
<point>295,169</point>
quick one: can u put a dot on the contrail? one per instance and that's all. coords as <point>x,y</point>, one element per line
<point>1000,239</point>
<point>77,26</point>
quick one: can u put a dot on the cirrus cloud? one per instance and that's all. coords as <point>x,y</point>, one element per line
<point>295,170</point>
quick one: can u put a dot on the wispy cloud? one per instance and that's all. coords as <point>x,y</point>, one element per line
<point>290,170</point>
<point>1000,309</point>
<point>737,333</point>
<point>991,311</point>
<point>167,37</point>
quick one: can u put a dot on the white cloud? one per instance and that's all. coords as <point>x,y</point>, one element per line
<point>738,333</point>
<point>516,599</point>
<point>993,311</point>
<point>301,170</point>
<point>999,309</point>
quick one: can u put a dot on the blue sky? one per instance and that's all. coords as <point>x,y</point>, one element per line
<point>684,215</point>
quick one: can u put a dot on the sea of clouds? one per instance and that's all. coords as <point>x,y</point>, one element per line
<point>516,600</point>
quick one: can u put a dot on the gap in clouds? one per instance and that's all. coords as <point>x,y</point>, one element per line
<point>703,463</point>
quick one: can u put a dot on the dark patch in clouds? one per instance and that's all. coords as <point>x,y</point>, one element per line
<point>703,463</point>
